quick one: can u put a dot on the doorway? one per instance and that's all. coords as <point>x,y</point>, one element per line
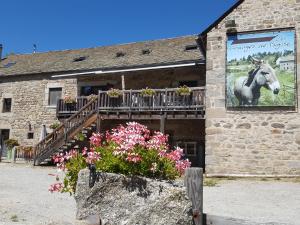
<point>4,135</point>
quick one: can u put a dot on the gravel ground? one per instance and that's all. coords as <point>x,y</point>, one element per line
<point>24,198</point>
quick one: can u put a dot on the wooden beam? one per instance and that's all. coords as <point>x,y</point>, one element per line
<point>163,123</point>
<point>193,181</point>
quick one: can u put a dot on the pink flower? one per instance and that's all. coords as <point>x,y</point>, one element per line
<point>56,187</point>
<point>71,154</point>
<point>182,165</point>
<point>129,136</point>
<point>96,139</point>
<point>92,157</point>
<point>153,167</point>
<point>133,157</point>
<point>158,141</point>
<point>176,154</point>
<point>84,151</point>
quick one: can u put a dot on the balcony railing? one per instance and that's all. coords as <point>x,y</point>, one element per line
<point>133,100</point>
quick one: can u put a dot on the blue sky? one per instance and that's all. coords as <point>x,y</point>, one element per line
<point>284,40</point>
<point>70,24</point>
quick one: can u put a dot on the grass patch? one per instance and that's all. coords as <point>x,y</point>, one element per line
<point>14,218</point>
<point>210,182</point>
<point>296,180</point>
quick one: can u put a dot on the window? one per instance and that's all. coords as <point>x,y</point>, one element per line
<point>6,105</point>
<point>30,135</point>
<point>54,95</point>
<point>189,148</point>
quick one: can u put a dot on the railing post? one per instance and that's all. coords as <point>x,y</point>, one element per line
<point>162,123</point>
<point>193,182</point>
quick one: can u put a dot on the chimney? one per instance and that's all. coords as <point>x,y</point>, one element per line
<point>1,48</point>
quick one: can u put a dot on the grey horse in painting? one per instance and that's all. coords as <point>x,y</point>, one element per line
<point>247,89</point>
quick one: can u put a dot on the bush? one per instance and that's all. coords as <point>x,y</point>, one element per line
<point>10,143</point>
<point>130,150</point>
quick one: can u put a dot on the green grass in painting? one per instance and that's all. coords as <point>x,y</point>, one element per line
<point>286,96</point>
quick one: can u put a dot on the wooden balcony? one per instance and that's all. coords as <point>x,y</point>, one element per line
<point>133,104</point>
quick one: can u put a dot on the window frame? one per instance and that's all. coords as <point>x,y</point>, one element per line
<point>49,95</point>
<point>185,144</point>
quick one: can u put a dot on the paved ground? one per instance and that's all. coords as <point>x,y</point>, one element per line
<point>262,202</point>
<point>24,198</point>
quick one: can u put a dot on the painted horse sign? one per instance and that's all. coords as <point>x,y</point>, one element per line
<point>261,69</point>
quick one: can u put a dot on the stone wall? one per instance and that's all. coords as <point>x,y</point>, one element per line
<point>250,142</point>
<point>30,104</point>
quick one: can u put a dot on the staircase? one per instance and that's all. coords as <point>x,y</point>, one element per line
<point>63,138</point>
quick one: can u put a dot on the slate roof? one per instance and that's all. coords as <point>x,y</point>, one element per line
<point>157,52</point>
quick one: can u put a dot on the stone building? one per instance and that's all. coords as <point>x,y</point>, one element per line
<point>248,140</point>
<point>31,85</point>
<point>286,63</point>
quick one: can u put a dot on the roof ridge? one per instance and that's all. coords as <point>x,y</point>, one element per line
<point>104,46</point>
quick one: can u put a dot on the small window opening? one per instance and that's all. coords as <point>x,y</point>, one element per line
<point>30,135</point>
<point>146,51</point>
<point>120,54</point>
<point>6,105</point>
<point>79,59</point>
<point>191,47</point>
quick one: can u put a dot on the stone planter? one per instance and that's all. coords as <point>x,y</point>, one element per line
<point>118,199</point>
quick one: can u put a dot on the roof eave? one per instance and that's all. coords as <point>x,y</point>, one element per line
<point>197,62</point>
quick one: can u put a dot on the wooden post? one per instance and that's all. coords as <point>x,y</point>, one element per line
<point>123,88</point>
<point>193,182</point>
<point>98,122</point>
<point>162,123</point>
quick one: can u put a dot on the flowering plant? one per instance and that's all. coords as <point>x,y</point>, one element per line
<point>54,125</point>
<point>92,97</point>
<point>147,92</point>
<point>114,93</point>
<point>10,143</point>
<point>183,90</point>
<point>69,100</point>
<point>129,149</point>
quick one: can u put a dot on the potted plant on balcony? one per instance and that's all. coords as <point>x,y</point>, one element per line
<point>114,95</point>
<point>183,90</point>
<point>70,102</point>
<point>148,94</point>
<point>184,93</point>
<point>54,125</point>
<point>10,144</point>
